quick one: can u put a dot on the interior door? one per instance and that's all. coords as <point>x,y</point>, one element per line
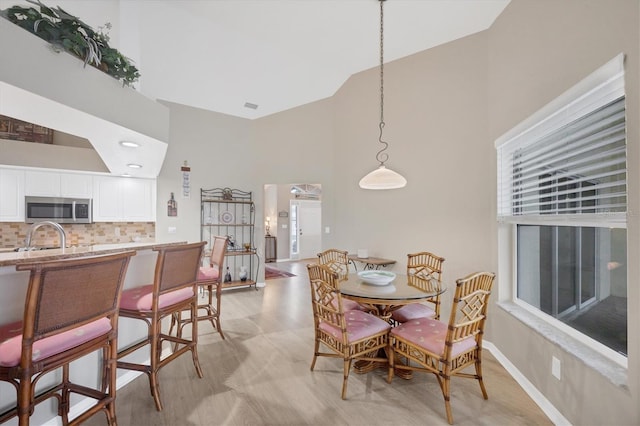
<point>306,224</point>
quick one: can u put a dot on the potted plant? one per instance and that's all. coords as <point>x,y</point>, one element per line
<point>67,32</point>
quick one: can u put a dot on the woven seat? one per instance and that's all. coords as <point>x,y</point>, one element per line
<point>71,311</point>
<point>429,267</point>
<point>208,277</point>
<point>173,291</point>
<point>338,261</point>
<point>446,349</point>
<point>350,335</point>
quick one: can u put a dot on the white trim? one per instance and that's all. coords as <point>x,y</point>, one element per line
<point>545,405</point>
<point>609,71</point>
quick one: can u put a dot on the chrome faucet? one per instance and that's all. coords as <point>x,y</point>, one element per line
<point>38,225</point>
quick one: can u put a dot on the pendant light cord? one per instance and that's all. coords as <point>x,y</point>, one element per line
<point>382,156</point>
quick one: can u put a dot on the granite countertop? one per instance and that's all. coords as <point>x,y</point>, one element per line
<point>11,258</point>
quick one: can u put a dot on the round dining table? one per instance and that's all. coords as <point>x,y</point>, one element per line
<point>382,300</point>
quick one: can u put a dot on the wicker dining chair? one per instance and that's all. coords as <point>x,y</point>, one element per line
<point>71,310</point>
<point>173,290</point>
<point>446,349</point>
<point>350,335</point>
<point>427,266</point>
<point>338,262</point>
<point>208,277</point>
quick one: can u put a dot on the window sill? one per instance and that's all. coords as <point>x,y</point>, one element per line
<point>613,371</point>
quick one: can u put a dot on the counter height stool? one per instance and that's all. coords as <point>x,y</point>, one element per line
<point>71,310</point>
<point>208,277</point>
<point>173,291</point>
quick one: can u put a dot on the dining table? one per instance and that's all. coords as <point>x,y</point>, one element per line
<point>382,300</point>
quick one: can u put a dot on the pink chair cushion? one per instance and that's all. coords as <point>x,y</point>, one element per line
<point>11,341</point>
<point>350,305</point>
<point>208,273</point>
<point>413,311</point>
<point>430,334</point>
<point>360,325</point>
<point>140,298</point>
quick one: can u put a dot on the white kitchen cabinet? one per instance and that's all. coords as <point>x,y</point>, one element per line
<point>55,184</point>
<point>11,195</point>
<point>120,199</point>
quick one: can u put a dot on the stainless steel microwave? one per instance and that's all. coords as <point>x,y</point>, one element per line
<point>61,210</point>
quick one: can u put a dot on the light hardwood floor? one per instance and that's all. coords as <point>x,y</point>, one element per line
<point>260,375</point>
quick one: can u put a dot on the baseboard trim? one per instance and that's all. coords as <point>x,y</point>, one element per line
<point>541,401</point>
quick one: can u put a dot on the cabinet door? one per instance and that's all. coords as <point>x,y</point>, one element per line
<point>42,184</point>
<point>120,199</point>
<point>138,200</point>
<point>107,204</point>
<point>74,185</point>
<point>11,195</point>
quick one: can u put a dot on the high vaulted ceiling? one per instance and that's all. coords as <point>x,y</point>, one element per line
<point>277,54</point>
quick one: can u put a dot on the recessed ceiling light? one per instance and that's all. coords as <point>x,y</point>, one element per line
<point>125,175</point>
<point>134,165</point>
<point>129,144</point>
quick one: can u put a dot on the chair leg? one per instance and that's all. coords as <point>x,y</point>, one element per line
<point>155,353</point>
<point>445,384</point>
<point>25,405</point>
<point>65,400</point>
<point>347,367</point>
<point>390,370</point>
<point>218,306</point>
<point>479,377</point>
<point>315,354</point>
<point>110,367</point>
<point>194,337</point>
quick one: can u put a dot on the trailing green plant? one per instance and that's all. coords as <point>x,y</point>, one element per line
<point>67,32</point>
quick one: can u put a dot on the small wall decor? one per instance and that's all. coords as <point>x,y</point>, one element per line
<point>186,180</point>
<point>172,206</point>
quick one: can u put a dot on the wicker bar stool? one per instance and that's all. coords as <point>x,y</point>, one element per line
<point>173,291</point>
<point>71,310</point>
<point>208,278</point>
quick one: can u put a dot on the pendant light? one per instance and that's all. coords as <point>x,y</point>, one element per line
<point>382,177</point>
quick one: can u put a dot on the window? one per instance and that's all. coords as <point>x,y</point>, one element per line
<point>562,186</point>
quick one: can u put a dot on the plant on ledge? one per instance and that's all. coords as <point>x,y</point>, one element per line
<point>67,32</point>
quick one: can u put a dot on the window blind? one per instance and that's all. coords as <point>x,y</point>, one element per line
<point>569,158</point>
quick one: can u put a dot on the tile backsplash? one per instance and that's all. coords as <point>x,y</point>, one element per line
<point>13,234</point>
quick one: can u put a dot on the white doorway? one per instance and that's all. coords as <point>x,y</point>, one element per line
<point>306,225</point>
<point>293,218</point>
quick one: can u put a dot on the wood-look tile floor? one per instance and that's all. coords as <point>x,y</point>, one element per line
<point>260,375</point>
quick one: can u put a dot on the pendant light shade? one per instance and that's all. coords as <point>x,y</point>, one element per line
<point>382,178</point>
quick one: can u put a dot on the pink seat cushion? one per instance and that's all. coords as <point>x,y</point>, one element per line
<point>208,273</point>
<point>350,305</point>
<point>413,311</point>
<point>430,334</point>
<point>140,298</point>
<point>360,325</point>
<point>11,341</point>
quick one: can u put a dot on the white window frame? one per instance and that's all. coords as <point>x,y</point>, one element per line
<point>567,107</point>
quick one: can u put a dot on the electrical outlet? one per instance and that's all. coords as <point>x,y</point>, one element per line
<point>172,230</point>
<point>327,230</point>
<point>555,367</point>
